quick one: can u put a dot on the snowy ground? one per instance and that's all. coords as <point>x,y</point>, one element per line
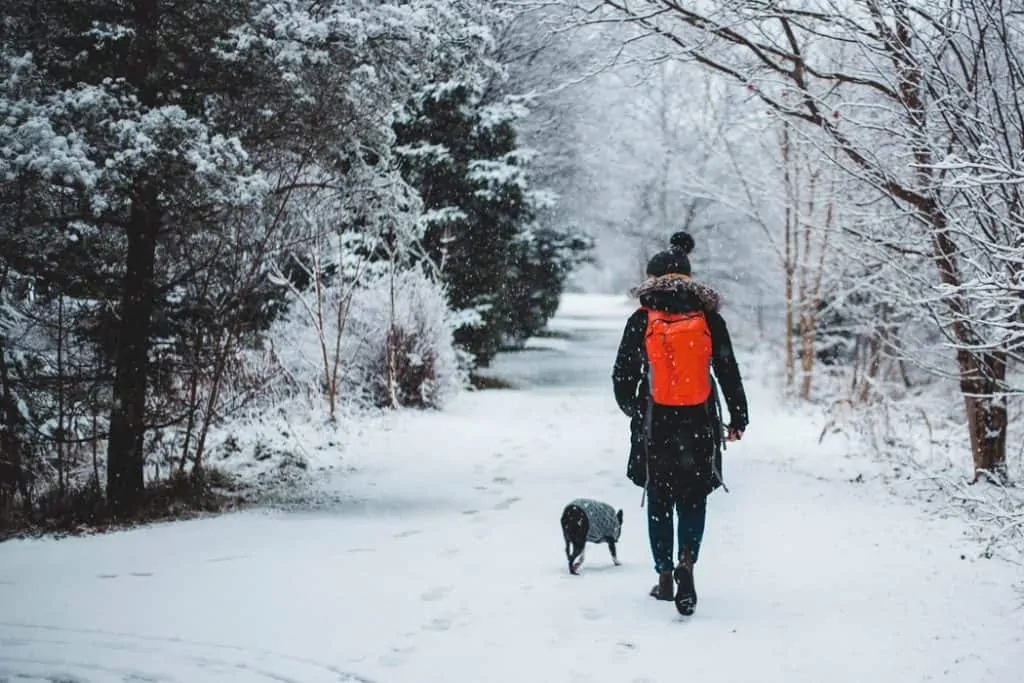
<point>443,562</point>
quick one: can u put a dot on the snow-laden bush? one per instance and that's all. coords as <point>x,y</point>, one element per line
<point>402,351</point>
<point>384,341</point>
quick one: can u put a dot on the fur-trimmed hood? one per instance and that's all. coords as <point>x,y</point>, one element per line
<point>674,293</point>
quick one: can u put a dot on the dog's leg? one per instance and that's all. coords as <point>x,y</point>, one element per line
<point>611,547</point>
<point>575,566</point>
<point>575,526</point>
<point>566,521</point>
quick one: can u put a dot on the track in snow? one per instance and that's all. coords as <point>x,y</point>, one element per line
<point>46,654</point>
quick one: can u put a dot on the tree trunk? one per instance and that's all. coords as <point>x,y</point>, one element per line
<point>125,455</point>
<point>812,302</point>
<point>225,348</point>
<point>58,435</point>
<point>982,373</point>
<point>193,408</point>
<point>13,477</point>
<point>870,373</point>
<point>789,257</point>
<point>982,377</point>
<point>808,355</point>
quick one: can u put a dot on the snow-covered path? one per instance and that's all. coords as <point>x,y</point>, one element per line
<point>445,564</point>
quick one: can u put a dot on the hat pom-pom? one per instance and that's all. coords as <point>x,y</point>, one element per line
<point>683,242</point>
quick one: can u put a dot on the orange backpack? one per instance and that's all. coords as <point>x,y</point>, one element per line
<point>678,349</point>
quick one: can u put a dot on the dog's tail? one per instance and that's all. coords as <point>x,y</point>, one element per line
<point>575,526</point>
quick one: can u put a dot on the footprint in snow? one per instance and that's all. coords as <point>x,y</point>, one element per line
<point>140,574</point>
<point>227,558</point>
<point>507,503</point>
<point>407,534</point>
<point>438,624</point>
<point>435,594</point>
<point>502,480</point>
<point>395,658</point>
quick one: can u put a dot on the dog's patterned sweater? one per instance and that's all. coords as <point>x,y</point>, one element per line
<point>604,523</point>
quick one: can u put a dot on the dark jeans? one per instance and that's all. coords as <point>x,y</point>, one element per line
<point>692,511</point>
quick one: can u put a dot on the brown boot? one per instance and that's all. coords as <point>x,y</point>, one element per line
<point>663,590</point>
<point>686,592</point>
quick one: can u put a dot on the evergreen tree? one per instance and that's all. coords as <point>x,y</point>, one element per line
<point>544,259</point>
<point>463,164</point>
<point>131,146</point>
<point>502,269</point>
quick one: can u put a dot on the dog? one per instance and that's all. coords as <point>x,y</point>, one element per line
<point>585,519</point>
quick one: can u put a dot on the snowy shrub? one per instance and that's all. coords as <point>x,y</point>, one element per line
<point>401,342</point>
<point>384,341</point>
<point>380,341</point>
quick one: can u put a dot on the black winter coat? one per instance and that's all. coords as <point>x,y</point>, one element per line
<point>680,450</point>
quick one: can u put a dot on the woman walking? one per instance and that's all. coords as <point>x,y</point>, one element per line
<point>662,381</point>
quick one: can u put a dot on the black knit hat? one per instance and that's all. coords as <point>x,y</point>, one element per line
<point>674,259</point>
